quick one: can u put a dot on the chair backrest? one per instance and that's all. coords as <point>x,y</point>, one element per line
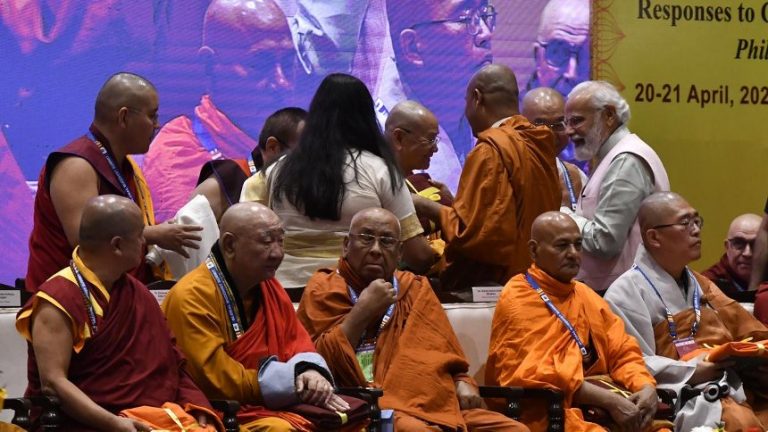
<point>472,324</point>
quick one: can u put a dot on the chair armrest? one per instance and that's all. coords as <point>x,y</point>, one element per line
<point>50,418</point>
<point>514,396</point>
<point>230,409</point>
<point>21,408</point>
<point>370,395</point>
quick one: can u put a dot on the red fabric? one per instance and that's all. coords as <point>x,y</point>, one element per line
<point>115,368</point>
<point>49,250</point>
<point>761,303</point>
<point>721,272</point>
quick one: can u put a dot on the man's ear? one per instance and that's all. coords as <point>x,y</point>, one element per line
<point>345,247</point>
<point>652,238</point>
<point>410,48</point>
<point>227,244</point>
<point>122,114</point>
<point>397,139</point>
<point>273,146</point>
<point>116,244</point>
<point>532,246</point>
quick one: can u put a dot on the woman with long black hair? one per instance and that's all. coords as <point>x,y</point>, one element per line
<point>342,165</point>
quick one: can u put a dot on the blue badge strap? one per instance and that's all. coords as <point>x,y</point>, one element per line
<point>390,309</point>
<point>205,138</point>
<point>226,292</point>
<point>568,184</point>
<point>86,296</point>
<point>251,165</point>
<point>558,314</point>
<point>670,320</point>
<point>113,166</point>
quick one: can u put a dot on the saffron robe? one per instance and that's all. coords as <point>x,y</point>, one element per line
<point>257,369</point>
<point>49,250</point>
<point>509,178</point>
<point>180,149</point>
<point>417,358</point>
<point>531,347</point>
<point>113,367</point>
<point>722,320</point>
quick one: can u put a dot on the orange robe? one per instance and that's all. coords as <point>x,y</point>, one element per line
<point>509,178</point>
<point>416,364</point>
<point>531,347</point>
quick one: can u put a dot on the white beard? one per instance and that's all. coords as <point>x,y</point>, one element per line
<point>592,143</point>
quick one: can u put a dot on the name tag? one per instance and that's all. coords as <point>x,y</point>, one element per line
<point>159,294</point>
<point>486,294</point>
<point>685,346</point>
<point>10,298</point>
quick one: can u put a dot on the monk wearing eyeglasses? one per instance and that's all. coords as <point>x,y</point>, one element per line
<point>731,274</point>
<point>385,328</point>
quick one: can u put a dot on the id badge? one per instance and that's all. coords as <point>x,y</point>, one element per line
<point>365,360</point>
<point>685,346</point>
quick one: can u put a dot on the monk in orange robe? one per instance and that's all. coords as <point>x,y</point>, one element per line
<point>237,326</point>
<point>99,341</point>
<point>357,317</point>
<point>532,346</point>
<point>508,179</point>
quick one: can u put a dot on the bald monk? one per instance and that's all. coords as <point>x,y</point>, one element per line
<point>509,178</point>
<point>237,327</point>
<point>660,285</point>
<point>412,131</point>
<point>357,317</point>
<point>250,62</point>
<point>532,347</point>
<point>544,106</point>
<point>94,353</point>
<point>98,163</point>
<point>731,274</point>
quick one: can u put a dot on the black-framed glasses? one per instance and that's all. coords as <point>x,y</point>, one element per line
<point>434,141</point>
<point>154,117</point>
<point>558,52</point>
<point>689,223</point>
<point>471,18</point>
<point>740,243</point>
<point>558,126</point>
<point>367,240</point>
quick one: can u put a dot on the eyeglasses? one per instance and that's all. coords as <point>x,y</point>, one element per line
<point>689,223</point>
<point>740,243</point>
<point>367,240</point>
<point>471,18</point>
<point>154,117</point>
<point>558,52</point>
<point>434,141</point>
<point>558,126</point>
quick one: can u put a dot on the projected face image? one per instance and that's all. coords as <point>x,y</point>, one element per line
<point>561,51</point>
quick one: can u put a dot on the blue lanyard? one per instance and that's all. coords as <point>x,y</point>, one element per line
<point>113,166</point>
<point>390,309</point>
<point>205,139</point>
<point>558,314</point>
<point>568,184</point>
<point>226,292</point>
<point>86,296</point>
<point>670,320</point>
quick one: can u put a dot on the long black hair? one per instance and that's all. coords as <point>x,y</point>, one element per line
<point>341,121</point>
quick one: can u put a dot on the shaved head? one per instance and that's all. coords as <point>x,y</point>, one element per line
<point>555,245</point>
<point>408,114</point>
<point>546,106</point>
<point>373,248</point>
<point>412,131</point>
<point>123,89</point>
<point>245,217</point>
<point>564,17</point>
<point>106,217</point>
<point>499,85</point>
<point>746,223</point>
<point>658,208</point>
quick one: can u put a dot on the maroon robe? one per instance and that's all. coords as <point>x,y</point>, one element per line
<point>131,361</point>
<point>728,281</point>
<point>49,250</point>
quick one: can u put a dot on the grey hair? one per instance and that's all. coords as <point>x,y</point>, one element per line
<point>602,94</point>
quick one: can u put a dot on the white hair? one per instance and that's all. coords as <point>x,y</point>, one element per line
<point>602,94</point>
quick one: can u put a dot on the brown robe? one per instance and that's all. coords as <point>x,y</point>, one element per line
<point>418,358</point>
<point>509,178</point>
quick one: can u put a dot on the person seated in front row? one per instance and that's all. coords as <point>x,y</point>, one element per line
<point>238,328</point>
<point>223,181</point>
<point>533,346</point>
<point>672,311</point>
<point>91,327</point>
<point>381,327</point>
<point>412,131</point>
<point>731,274</point>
